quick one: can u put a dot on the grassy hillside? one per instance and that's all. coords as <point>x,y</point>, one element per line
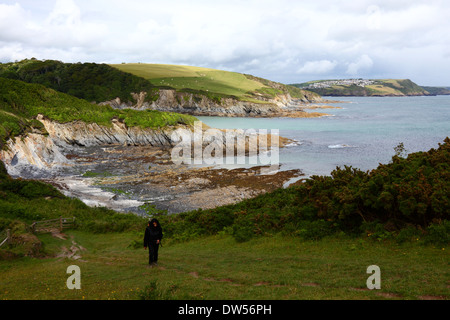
<point>88,81</point>
<point>218,268</point>
<point>202,79</point>
<point>101,82</point>
<point>21,102</point>
<point>360,87</point>
<point>272,247</point>
<point>209,81</point>
<point>437,90</point>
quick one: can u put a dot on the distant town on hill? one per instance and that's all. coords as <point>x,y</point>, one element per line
<point>370,87</point>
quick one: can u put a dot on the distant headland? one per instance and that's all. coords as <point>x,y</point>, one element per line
<point>370,87</point>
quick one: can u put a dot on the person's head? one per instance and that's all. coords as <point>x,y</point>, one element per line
<point>153,223</point>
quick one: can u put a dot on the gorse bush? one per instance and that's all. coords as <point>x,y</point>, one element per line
<point>407,194</point>
<point>438,233</point>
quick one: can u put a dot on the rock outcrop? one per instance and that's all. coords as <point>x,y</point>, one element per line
<point>45,151</point>
<point>201,105</point>
<point>35,151</point>
<point>90,134</point>
<point>39,152</point>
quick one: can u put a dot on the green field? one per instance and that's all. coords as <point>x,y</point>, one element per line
<point>195,78</point>
<point>218,268</point>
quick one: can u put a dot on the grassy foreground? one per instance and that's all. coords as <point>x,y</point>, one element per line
<point>113,266</point>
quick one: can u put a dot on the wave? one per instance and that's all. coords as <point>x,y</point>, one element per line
<point>294,143</point>
<point>340,146</point>
<point>83,189</point>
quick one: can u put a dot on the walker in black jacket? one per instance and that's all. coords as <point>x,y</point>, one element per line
<point>152,239</point>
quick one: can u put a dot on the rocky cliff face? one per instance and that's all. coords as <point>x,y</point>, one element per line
<point>35,152</point>
<point>45,151</point>
<point>200,105</point>
<point>90,134</point>
<point>41,152</point>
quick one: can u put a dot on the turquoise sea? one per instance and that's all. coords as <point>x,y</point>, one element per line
<point>362,134</point>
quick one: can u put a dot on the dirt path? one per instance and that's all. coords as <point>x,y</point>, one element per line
<point>73,252</point>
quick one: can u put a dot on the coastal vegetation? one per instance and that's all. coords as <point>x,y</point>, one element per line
<point>403,199</point>
<point>309,241</point>
<point>21,102</point>
<point>437,90</point>
<point>89,81</point>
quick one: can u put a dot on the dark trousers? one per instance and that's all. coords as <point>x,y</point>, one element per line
<point>153,252</point>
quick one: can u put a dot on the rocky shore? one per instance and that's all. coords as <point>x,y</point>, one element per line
<point>282,105</point>
<point>124,168</point>
<point>125,178</point>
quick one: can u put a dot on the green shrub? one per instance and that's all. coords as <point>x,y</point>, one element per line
<point>406,193</point>
<point>242,233</point>
<point>438,234</point>
<point>315,230</point>
<point>408,234</point>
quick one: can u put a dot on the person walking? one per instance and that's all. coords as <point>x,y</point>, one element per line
<point>152,240</point>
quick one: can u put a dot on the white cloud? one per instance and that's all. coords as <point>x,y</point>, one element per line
<point>13,23</point>
<point>283,40</point>
<point>317,67</point>
<point>65,12</point>
<point>363,64</point>
<point>62,33</point>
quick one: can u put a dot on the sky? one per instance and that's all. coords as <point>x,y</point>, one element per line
<point>289,41</point>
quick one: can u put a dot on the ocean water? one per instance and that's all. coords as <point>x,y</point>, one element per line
<point>362,134</point>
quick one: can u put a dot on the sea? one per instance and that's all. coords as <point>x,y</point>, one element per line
<point>362,132</point>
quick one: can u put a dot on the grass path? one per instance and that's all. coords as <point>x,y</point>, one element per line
<point>218,268</point>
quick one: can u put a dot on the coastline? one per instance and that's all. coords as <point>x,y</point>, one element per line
<point>124,178</point>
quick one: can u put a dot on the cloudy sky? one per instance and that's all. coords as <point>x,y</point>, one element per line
<point>289,41</point>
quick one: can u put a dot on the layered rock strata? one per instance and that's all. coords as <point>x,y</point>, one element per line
<point>200,105</point>
<point>43,151</point>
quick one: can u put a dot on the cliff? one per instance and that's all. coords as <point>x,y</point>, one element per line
<point>39,124</point>
<point>45,151</point>
<point>199,105</point>
<point>37,153</point>
<point>91,134</point>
